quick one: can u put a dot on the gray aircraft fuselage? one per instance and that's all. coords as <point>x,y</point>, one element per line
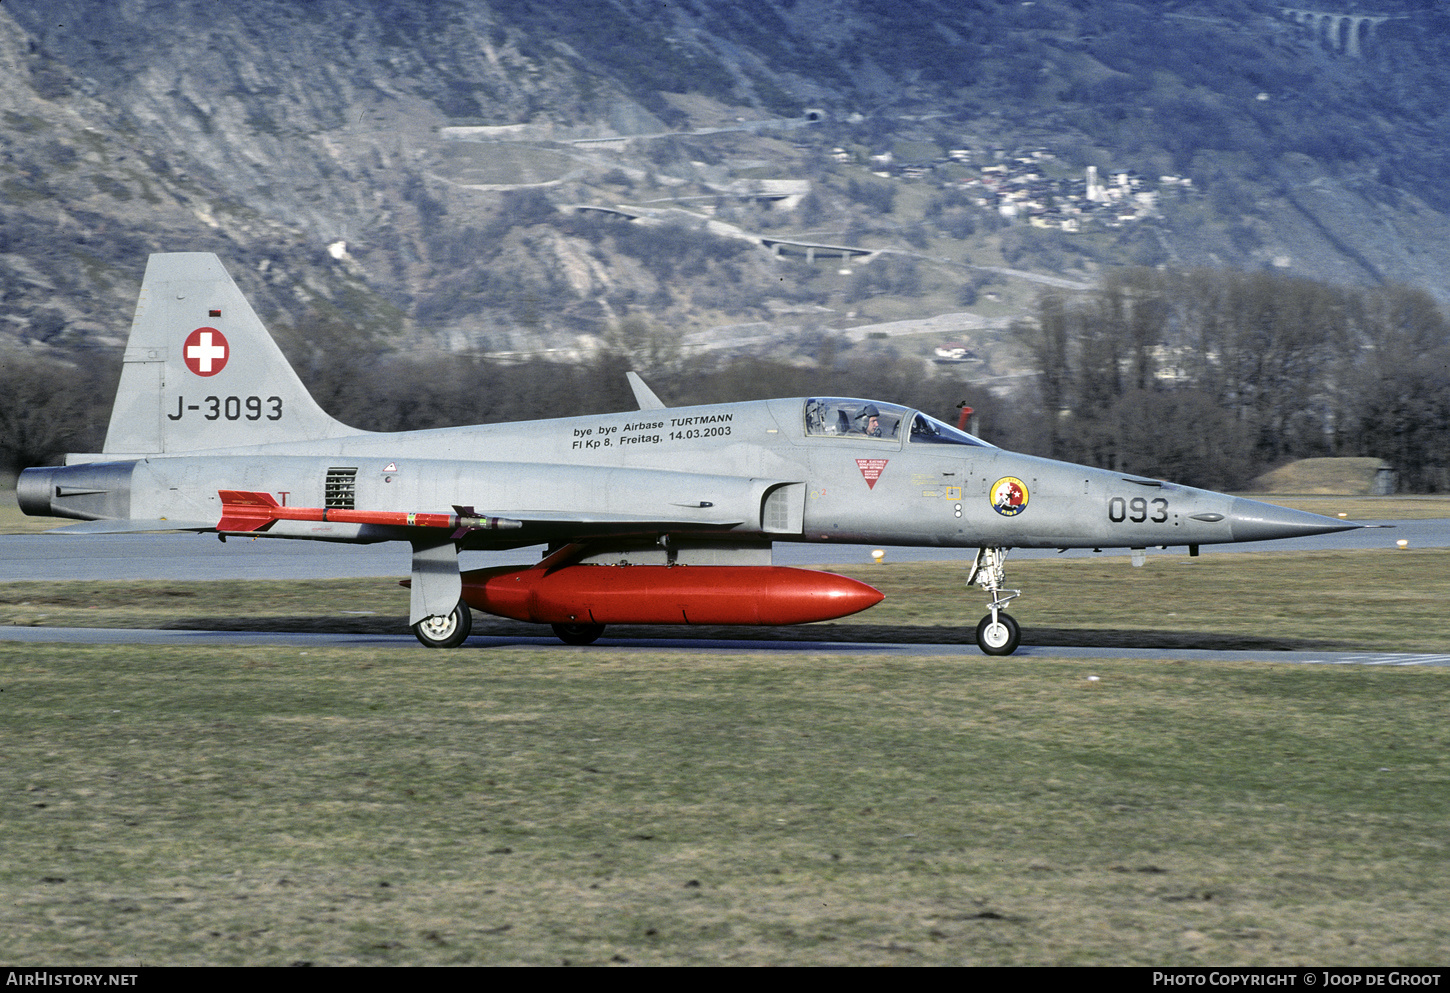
<point>664,464</point>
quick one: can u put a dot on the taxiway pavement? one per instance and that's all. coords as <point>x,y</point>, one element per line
<point>606,647</point>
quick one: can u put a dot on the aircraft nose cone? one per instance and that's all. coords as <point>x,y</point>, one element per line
<point>1255,521</point>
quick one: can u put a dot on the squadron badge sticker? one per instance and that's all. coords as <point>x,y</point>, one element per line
<point>1009,496</point>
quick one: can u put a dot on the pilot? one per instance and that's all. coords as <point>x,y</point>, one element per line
<point>870,419</point>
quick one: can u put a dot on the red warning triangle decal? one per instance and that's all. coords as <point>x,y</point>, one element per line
<point>871,470</point>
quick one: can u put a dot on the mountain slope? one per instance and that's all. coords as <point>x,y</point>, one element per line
<point>268,131</point>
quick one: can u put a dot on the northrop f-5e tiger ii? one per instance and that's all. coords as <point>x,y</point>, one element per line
<point>661,515</point>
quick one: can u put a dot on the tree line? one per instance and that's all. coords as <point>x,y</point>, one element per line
<point>1211,377</point>
<point>1202,377</point>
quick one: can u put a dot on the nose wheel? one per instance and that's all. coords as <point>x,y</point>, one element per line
<point>997,633</point>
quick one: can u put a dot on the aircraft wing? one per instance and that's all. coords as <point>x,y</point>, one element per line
<point>250,512</point>
<point>503,504</point>
<point>530,526</point>
<point>588,518</point>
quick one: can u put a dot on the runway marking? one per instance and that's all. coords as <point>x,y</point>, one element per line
<point>1391,659</point>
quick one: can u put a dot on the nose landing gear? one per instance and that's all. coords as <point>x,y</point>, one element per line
<point>997,633</point>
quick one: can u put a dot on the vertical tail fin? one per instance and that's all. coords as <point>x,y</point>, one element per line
<point>202,372</point>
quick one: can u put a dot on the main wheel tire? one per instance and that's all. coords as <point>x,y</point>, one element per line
<point>1001,638</point>
<point>578,634</point>
<point>445,630</point>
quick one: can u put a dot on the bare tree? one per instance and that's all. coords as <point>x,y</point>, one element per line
<point>50,406</point>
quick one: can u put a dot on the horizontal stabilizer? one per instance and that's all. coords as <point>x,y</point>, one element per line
<point>131,527</point>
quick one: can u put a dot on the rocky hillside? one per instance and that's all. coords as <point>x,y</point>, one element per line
<point>768,174</point>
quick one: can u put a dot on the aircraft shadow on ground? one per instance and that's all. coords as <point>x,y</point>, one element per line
<point>485,626</point>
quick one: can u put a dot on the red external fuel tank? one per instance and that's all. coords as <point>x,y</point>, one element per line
<point>658,594</point>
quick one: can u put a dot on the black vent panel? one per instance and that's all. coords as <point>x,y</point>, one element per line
<point>340,491</point>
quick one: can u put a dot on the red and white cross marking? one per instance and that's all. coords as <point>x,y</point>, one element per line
<point>206,351</point>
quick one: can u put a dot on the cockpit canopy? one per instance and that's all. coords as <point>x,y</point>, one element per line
<point>861,420</point>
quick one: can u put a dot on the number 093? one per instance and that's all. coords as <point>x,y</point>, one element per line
<point>1136,510</point>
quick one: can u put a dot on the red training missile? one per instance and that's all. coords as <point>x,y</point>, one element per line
<point>658,594</point>
<point>246,511</point>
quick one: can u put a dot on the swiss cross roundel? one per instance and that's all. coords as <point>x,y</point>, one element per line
<point>206,351</point>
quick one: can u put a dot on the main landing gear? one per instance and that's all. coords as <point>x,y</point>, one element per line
<point>578,634</point>
<point>451,630</point>
<point>997,633</point>
<point>445,630</point>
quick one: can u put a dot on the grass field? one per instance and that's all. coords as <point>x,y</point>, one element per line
<point>273,806</point>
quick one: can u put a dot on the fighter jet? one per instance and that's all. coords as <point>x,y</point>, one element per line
<point>661,515</point>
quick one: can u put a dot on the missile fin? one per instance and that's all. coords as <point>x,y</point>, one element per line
<point>246,511</point>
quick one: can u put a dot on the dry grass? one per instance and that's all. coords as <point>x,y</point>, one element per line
<point>1364,508</point>
<point>1322,475</point>
<point>269,806</point>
